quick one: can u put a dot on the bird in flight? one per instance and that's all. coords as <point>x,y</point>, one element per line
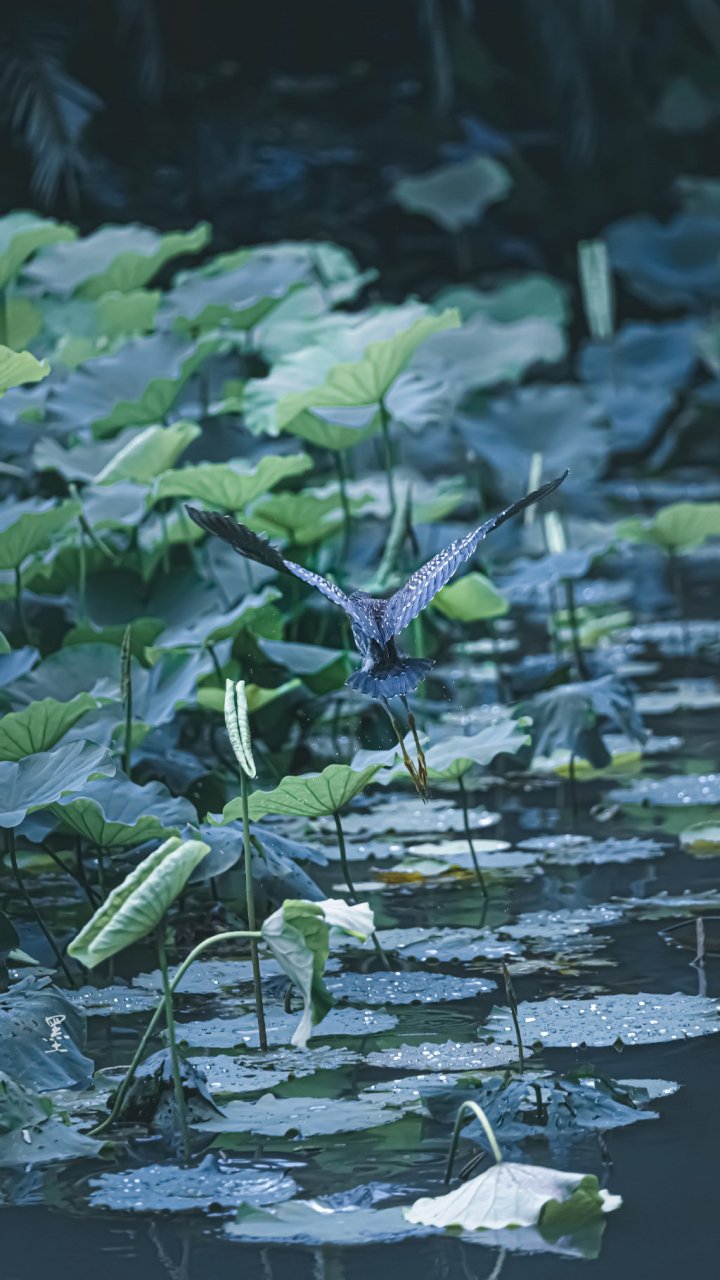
<point>385,672</point>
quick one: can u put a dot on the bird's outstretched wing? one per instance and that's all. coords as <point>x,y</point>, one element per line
<point>420,588</point>
<point>257,548</point>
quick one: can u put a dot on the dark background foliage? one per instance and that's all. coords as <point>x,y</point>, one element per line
<point>292,120</point>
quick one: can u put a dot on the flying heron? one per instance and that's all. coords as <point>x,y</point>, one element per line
<point>385,672</point>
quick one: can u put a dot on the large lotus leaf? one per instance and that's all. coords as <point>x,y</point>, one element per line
<point>450,1056</point>
<point>302,1118</point>
<point>127,314</point>
<point>302,319</point>
<point>306,795</point>
<point>231,486</point>
<point>318,1223</point>
<point>121,505</point>
<point>566,718</point>
<point>515,1195</point>
<point>87,668</point>
<point>677,790</point>
<point>608,1020</point>
<point>456,755</point>
<point>20,1108</point>
<point>121,814</point>
<point>471,598</point>
<point>169,684</point>
<point>209,1187</point>
<point>39,780</point>
<point>670,265</point>
<point>84,460</point>
<point>21,235</point>
<point>23,322</point>
<point>137,906</point>
<point>120,258</point>
<point>559,421</point>
<point>357,386</point>
<point>136,386</point>
<point>241,296</point>
<point>40,726</point>
<point>211,628</point>
<point>644,355</point>
<point>450,366</point>
<point>18,367</point>
<point>298,936</point>
<point>532,295</point>
<point>53,1142</point>
<point>302,518</point>
<point>42,1038</point>
<point>16,663</point>
<point>455,195</point>
<point>530,576</point>
<point>242,1033</point>
<point>148,453</point>
<point>677,528</point>
<point>368,989</point>
<point>29,527</point>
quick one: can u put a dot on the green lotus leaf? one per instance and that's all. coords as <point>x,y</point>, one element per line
<point>127,314</point>
<point>148,453</point>
<point>123,815</point>
<point>23,322</point>
<point>472,598</point>
<point>457,755</point>
<point>455,195</point>
<point>310,795</point>
<point>298,937</point>
<point>117,259</point>
<point>18,367</point>
<point>240,296</point>
<point>40,726</point>
<point>532,296</point>
<point>21,235</point>
<point>40,779</point>
<point>29,527</point>
<point>302,518</point>
<point>231,485</point>
<point>136,386</point>
<point>679,527</point>
<point>137,906</point>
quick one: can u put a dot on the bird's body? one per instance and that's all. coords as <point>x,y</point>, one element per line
<point>385,672</point>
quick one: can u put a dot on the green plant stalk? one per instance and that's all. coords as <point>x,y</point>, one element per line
<point>574,632</point>
<point>344,499</point>
<point>387,442</point>
<point>512,1001</point>
<point>159,1010</point>
<point>479,1114</point>
<point>10,836</point>
<point>172,1042</point>
<point>573,786</point>
<point>468,837</point>
<point>250,907</point>
<point>19,608</point>
<point>351,887</point>
<point>82,572</point>
<point>127,692</point>
<point>216,665</point>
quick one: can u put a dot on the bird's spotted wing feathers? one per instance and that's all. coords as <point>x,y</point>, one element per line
<point>420,588</point>
<point>257,548</point>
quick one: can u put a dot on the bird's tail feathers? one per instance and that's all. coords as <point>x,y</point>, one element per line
<point>391,681</point>
<point>242,539</point>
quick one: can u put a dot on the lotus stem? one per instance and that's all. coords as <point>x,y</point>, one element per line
<point>344,499</point>
<point>172,1042</point>
<point>351,887</point>
<point>421,762</point>
<point>10,836</point>
<point>159,1009</point>
<point>475,1109</point>
<point>385,424</point>
<point>512,1001</point>
<point>468,837</point>
<point>126,693</point>
<point>572,618</point>
<point>250,906</point>
<point>19,607</point>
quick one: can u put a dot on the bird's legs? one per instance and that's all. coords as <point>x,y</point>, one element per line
<point>421,764</point>
<point>417,781</point>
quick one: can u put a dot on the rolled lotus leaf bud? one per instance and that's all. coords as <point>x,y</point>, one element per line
<point>237,723</point>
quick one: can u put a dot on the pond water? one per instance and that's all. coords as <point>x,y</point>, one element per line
<point>568,918</point>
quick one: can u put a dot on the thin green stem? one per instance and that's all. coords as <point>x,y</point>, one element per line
<point>389,464</point>
<point>126,692</point>
<point>33,909</point>
<point>478,1112</point>
<point>216,665</point>
<point>82,572</point>
<point>574,630</point>
<point>344,499</point>
<point>172,1042</point>
<point>468,837</point>
<point>351,887</point>
<point>145,1040</point>
<point>512,1001</point>
<point>250,907</point>
<point>19,607</point>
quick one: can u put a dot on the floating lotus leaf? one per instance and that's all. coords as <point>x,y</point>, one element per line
<point>212,1186</point>
<point>608,1020</point>
<point>112,258</point>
